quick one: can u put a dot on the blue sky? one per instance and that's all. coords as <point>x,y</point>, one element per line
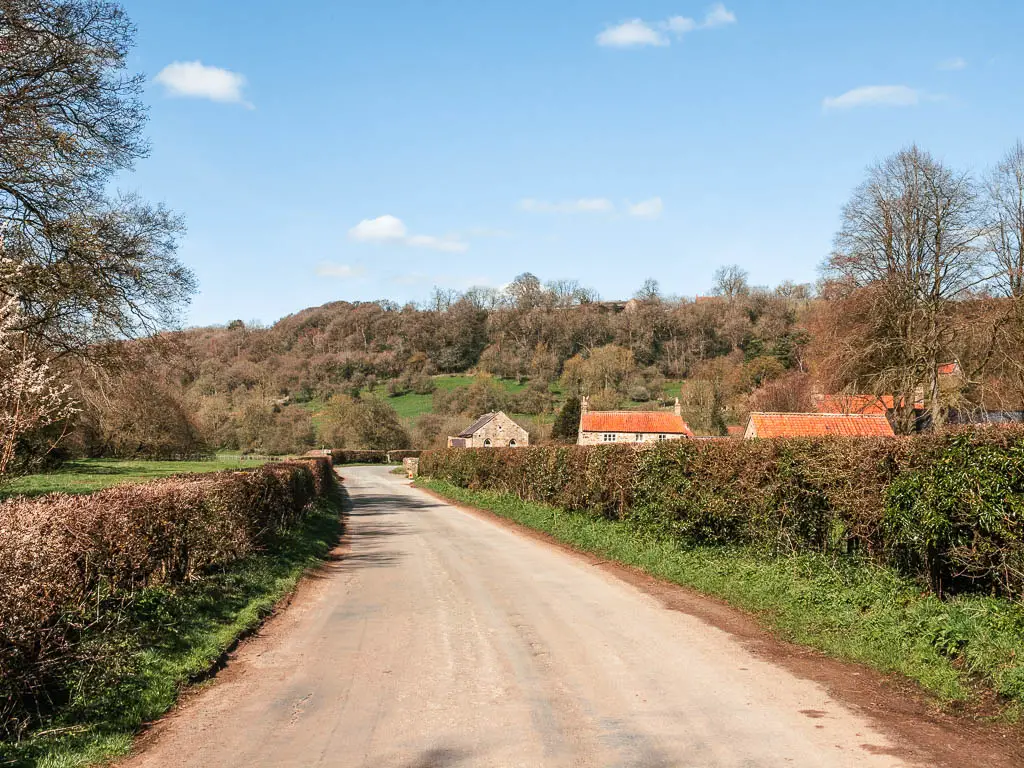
<point>324,151</point>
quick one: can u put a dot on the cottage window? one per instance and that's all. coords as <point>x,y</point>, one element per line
<point>639,437</point>
<point>608,437</point>
<point>487,443</point>
<point>663,437</point>
<point>511,443</point>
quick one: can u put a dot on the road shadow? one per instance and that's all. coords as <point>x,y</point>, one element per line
<point>439,757</point>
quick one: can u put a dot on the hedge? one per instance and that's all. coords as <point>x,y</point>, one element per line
<point>344,456</point>
<point>69,563</point>
<point>948,508</point>
<point>396,457</point>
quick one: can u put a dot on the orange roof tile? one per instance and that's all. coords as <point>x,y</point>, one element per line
<point>638,422</point>
<point>866,404</point>
<point>949,369</point>
<point>770,425</point>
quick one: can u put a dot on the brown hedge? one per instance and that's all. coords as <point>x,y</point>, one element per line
<point>946,508</point>
<point>65,560</point>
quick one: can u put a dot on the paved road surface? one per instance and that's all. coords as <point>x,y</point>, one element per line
<point>443,639</point>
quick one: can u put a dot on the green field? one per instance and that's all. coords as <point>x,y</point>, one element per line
<point>88,475</point>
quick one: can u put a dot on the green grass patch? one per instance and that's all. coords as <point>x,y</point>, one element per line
<point>411,406</point>
<point>88,475</point>
<point>844,606</point>
<point>169,638</point>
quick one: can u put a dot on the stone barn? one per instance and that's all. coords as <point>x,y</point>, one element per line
<point>492,430</point>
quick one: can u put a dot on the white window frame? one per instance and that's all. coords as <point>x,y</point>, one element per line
<point>609,437</point>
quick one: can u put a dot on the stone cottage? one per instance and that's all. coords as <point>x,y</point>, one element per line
<point>492,430</point>
<point>630,427</point>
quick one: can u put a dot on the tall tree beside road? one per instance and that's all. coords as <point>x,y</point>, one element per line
<point>910,245</point>
<point>93,266</point>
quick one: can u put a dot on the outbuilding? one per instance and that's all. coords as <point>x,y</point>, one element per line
<point>492,430</point>
<point>630,427</point>
<point>769,425</point>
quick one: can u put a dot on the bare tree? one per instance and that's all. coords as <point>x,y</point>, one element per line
<point>1005,188</point>
<point>911,244</point>
<point>93,266</point>
<point>649,291</point>
<point>731,282</point>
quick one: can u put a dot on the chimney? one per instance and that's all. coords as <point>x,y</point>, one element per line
<point>679,408</point>
<point>585,404</point>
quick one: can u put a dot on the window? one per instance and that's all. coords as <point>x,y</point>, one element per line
<point>511,443</point>
<point>608,437</point>
<point>639,437</point>
<point>663,437</point>
<point>487,443</point>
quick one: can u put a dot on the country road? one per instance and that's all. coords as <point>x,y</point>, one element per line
<point>443,639</point>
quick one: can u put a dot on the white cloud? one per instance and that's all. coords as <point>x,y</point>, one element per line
<point>193,79</point>
<point>391,229</point>
<point>647,209</point>
<point>875,96</point>
<point>680,25</point>
<point>380,230</point>
<point>340,271</point>
<point>637,32</point>
<point>631,33</point>
<point>718,16</point>
<point>953,64</point>
<point>446,244</point>
<point>583,205</point>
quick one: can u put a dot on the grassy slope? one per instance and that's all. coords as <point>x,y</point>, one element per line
<point>88,475</point>
<point>173,638</point>
<point>848,609</point>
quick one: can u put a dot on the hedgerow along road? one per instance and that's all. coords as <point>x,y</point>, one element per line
<point>438,637</point>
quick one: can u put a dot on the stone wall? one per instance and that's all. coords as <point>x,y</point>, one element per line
<point>628,438</point>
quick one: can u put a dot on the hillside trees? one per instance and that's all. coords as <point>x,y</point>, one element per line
<point>366,423</point>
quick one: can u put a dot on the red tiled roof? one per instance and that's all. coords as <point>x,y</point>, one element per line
<point>865,404</point>
<point>638,422</point>
<point>820,425</point>
<point>949,369</point>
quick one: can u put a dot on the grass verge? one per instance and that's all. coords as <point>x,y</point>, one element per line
<point>167,640</point>
<point>88,475</point>
<point>968,651</point>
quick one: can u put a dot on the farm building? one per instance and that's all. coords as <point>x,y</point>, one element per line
<point>767,425</point>
<point>631,427</point>
<point>492,430</point>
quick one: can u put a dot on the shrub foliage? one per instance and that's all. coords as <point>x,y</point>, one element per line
<point>344,456</point>
<point>946,508</point>
<point>70,565</point>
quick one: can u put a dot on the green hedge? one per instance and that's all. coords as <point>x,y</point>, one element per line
<point>71,565</point>
<point>946,508</point>
<point>344,456</point>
